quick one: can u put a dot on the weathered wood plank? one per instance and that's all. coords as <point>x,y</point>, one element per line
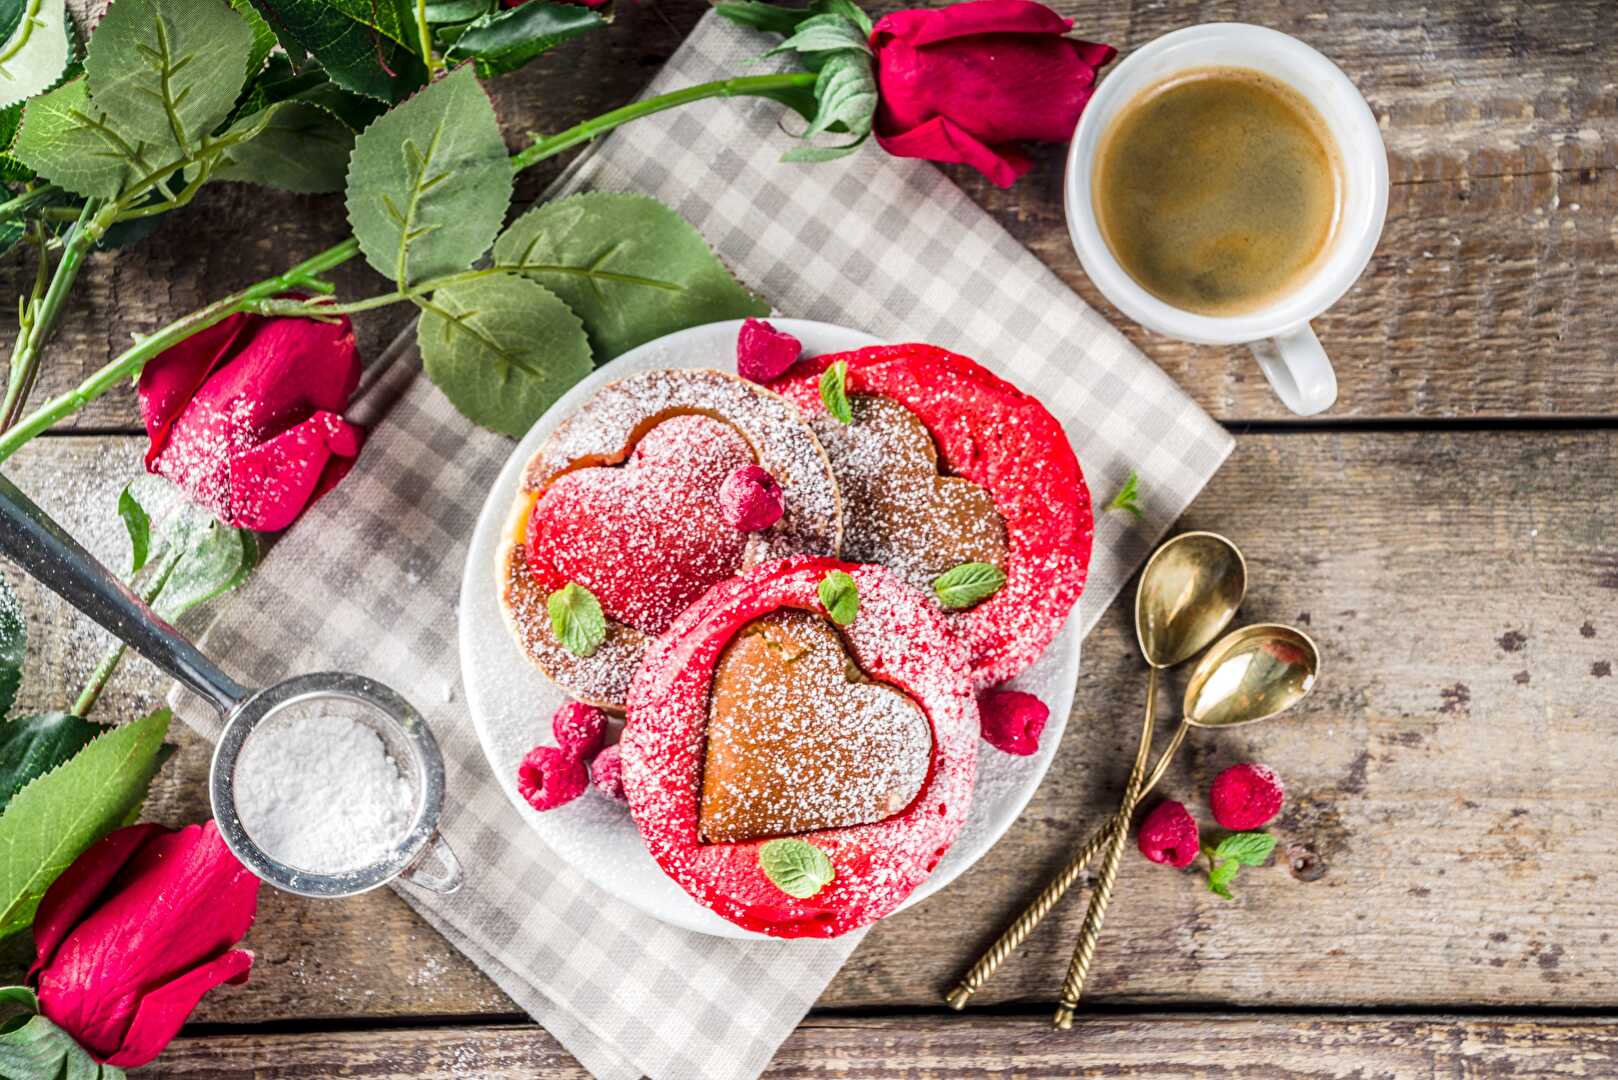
<point>1159,1046</point>
<point>1452,774</point>
<point>1492,293</point>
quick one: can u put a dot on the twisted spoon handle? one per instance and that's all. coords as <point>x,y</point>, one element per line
<point>1079,969</point>
<point>1015,934</point>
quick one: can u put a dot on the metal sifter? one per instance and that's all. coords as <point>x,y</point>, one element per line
<point>41,547</point>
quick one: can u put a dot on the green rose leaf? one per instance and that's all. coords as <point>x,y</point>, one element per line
<point>67,140</point>
<point>138,524</point>
<point>966,584</point>
<point>455,11</point>
<point>824,33</point>
<point>365,45</point>
<point>631,268</point>
<point>846,90</point>
<point>35,52</point>
<point>577,619</point>
<point>52,820</point>
<point>202,557</point>
<point>796,867</point>
<point>31,746</point>
<point>834,392</point>
<point>32,1046</point>
<point>1246,848</point>
<point>298,147</point>
<point>311,86</point>
<point>502,349</point>
<point>166,72</point>
<point>840,596</point>
<point>506,41</point>
<point>770,18</point>
<point>264,39</point>
<point>13,647</point>
<point>429,183</point>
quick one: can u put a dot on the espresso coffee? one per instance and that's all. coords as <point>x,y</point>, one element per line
<point>1218,190</point>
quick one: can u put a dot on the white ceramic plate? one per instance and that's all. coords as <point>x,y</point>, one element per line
<point>511,702</point>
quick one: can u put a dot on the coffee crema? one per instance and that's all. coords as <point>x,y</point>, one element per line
<point>1218,189</point>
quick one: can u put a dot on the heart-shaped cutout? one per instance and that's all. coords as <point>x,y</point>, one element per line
<point>799,739</point>
<point>646,537</point>
<point>899,511</point>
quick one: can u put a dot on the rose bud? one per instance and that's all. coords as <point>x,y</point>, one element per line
<point>245,416</point>
<point>132,935</point>
<point>968,82</point>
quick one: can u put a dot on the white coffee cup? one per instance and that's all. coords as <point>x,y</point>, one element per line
<point>1279,334</point>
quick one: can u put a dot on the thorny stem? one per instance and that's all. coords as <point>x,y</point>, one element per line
<point>40,317</point>
<point>109,663</point>
<point>306,275</point>
<point>425,35</point>
<point>15,206</point>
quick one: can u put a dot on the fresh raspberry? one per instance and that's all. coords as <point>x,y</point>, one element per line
<point>579,728</point>
<point>763,353</point>
<point>1245,796</point>
<point>607,773</point>
<point>750,499</point>
<point>1012,720</point>
<point>1169,835</point>
<point>550,776</point>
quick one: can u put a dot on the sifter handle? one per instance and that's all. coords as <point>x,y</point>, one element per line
<point>43,548</point>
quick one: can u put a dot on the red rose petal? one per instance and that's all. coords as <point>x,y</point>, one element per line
<point>163,1010</point>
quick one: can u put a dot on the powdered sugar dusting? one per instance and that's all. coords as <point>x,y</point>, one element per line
<point>991,433</point>
<point>898,510</point>
<point>603,432</point>
<point>900,638</point>
<point>799,739</point>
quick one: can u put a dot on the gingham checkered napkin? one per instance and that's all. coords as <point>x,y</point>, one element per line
<point>368,580</point>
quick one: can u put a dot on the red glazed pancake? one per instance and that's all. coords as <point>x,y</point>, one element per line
<point>947,464</point>
<point>624,500</point>
<point>756,718</point>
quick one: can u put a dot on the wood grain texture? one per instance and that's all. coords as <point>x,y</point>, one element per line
<point>1163,1047</point>
<point>1449,783</point>
<point>1493,292</point>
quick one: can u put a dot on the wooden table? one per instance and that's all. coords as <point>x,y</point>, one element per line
<point>1444,904</point>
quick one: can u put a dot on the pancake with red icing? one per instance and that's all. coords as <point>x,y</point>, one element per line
<point>624,500</point>
<point>947,464</point>
<point>756,718</point>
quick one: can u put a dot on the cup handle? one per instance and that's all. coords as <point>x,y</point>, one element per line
<point>1299,370</point>
<point>444,878</point>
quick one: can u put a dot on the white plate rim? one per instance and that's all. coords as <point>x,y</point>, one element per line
<point>477,599</point>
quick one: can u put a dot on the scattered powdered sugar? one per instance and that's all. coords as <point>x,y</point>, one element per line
<point>320,793</point>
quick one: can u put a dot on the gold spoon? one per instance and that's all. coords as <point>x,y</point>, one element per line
<point>1189,591</point>
<point>1249,675</point>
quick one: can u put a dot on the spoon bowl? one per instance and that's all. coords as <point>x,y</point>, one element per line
<point>1250,675</point>
<point>1188,594</point>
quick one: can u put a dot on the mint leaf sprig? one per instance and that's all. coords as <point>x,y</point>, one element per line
<point>1234,852</point>
<point>1128,496</point>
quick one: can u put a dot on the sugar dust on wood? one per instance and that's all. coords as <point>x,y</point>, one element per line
<point>321,793</point>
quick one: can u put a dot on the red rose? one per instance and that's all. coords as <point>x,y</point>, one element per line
<point>246,416</point>
<point>132,935</point>
<point>968,82</point>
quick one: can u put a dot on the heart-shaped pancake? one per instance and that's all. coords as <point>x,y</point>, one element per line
<point>799,739</point>
<point>899,511</point>
<point>646,537</point>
